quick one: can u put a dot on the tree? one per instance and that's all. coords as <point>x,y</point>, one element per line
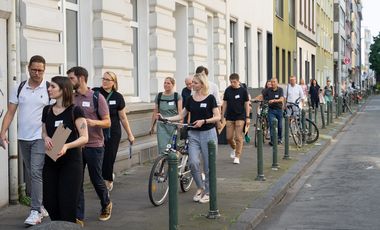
<point>374,56</point>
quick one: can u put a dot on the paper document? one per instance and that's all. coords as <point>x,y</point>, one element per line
<point>59,139</point>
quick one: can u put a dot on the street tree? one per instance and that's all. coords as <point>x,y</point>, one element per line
<point>374,56</point>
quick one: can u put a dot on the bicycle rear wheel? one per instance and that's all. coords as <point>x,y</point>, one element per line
<point>296,133</point>
<point>186,178</point>
<point>313,134</point>
<point>159,181</point>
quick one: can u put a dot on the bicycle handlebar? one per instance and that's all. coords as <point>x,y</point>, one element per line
<point>167,122</point>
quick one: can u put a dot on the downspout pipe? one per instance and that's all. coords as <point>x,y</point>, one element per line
<point>12,131</point>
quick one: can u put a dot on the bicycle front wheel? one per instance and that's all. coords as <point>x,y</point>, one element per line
<point>311,134</point>
<point>186,179</point>
<point>159,181</point>
<point>295,131</point>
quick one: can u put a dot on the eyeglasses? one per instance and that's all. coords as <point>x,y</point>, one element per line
<point>37,70</point>
<point>106,79</point>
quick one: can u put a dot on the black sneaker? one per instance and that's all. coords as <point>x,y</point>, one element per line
<point>270,143</point>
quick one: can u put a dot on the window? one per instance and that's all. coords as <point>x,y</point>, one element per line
<point>341,16</point>
<point>289,64</point>
<point>312,15</point>
<point>280,8</point>
<point>308,15</point>
<point>283,66</point>
<point>135,49</point>
<point>278,63</point>
<point>305,13</point>
<point>259,55</point>
<point>300,11</point>
<point>71,9</point>
<point>292,12</point>
<point>300,62</point>
<point>313,66</point>
<point>246,53</point>
<point>232,46</point>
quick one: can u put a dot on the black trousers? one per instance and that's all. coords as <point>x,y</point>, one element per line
<point>62,181</point>
<point>111,147</point>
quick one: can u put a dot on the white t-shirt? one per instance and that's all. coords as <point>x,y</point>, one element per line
<point>30,105</point>
<point>292,93</point>
<point>214,90</point>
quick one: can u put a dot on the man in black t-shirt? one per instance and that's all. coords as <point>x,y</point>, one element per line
<point>235,110</point>
<point>275,96</point>
<point>186,93</point>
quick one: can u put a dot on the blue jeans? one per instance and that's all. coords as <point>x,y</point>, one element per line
<point>275,113</point>
<point>93,157</point>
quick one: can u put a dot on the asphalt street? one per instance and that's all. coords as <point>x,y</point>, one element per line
<point>342,190</point>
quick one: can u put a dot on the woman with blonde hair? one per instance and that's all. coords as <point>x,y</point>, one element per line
<point>116,106</point>
<point>204,115</point>
<point>167,103</point>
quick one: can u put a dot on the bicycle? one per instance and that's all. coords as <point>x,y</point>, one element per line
<point>308,134</point>
<point>261,120</point>
<point>345,100</point>
<point>159,178</point>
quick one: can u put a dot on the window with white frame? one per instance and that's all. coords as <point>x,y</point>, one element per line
<point>135,51</point>
<point>71,41</point>
<point>247,58</point>
<point>233,46</point>
<point>280,8</point>
<point>292,12</point>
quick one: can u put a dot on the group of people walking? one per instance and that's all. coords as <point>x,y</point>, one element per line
<point>93,117</point>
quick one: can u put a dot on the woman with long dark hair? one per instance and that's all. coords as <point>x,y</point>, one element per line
<point>62,179</point>
<point>314,93</point>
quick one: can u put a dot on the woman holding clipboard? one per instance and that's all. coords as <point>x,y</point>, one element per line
<point>63,176</point>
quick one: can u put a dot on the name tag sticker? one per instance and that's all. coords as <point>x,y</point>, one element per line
<point>113,102</point>
<point>171,103</point>
<point>203,105</point>
<point>276,96</point>
<point>57,123</point>
<point>237,96</point>
<point>86,104</point>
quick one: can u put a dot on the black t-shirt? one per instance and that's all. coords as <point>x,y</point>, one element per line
<point>235,98</point>
<point>201,110</point>
<point>186,93</point>
<point>67,117</point>
<point>270,94</point>
<point>115,103</point>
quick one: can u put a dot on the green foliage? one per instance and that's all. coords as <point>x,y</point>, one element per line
<point>374,54</point>
<point>25,200</point>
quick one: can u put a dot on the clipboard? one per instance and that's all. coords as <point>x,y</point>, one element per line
<point>59,139</point>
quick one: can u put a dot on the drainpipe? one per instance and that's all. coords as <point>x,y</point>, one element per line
<point>12,131</point>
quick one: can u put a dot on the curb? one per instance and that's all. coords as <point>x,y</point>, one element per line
<point>259,208</point>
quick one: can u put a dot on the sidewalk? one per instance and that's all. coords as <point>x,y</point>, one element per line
<point>242,201</point>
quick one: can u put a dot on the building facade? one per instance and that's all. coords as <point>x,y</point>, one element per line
<point>142,41</point>
<point>324,38</point>
<point>284,45</point>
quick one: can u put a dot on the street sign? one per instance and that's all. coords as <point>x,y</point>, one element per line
<point>346,60</point>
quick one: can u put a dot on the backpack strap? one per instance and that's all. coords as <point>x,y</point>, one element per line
<point>20,88</point>
<point>23,83</point>
<point>95,100</point>
<point>159,100</point>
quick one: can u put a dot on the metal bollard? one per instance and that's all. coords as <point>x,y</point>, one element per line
<point>331,112</point>
<point>323,117</point>
<point>316,115</point>
<point>275,143</point>
<point>310,118</point>
<point>303,121</point>
<point>213,213</point>
<point>328,114</point>
<point>286,140</point>
<point>337,108</point>
<point>173,190</point>
<point>260,162</point>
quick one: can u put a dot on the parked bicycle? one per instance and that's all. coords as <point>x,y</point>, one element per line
<point>159,178</point>
<point>307,134</point>
<point>261,120</point>
<point>346,102</point>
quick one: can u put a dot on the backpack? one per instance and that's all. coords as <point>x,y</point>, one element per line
<point>159,99</point>
<point>95,99</point>
<point>23,83</point>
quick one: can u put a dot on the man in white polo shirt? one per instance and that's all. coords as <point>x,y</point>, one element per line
<point>30,98</point>
<point>293,92</point>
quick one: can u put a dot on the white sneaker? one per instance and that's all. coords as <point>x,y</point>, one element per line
<point>205,199</point>
<point>203,176</point>
<point>34,218</point>
<point>236,160</point>
<point>232,154</point>
<point>197,196</point>
<point>44,213</point>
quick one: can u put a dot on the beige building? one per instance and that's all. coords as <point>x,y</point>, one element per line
<point>142,42</point>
